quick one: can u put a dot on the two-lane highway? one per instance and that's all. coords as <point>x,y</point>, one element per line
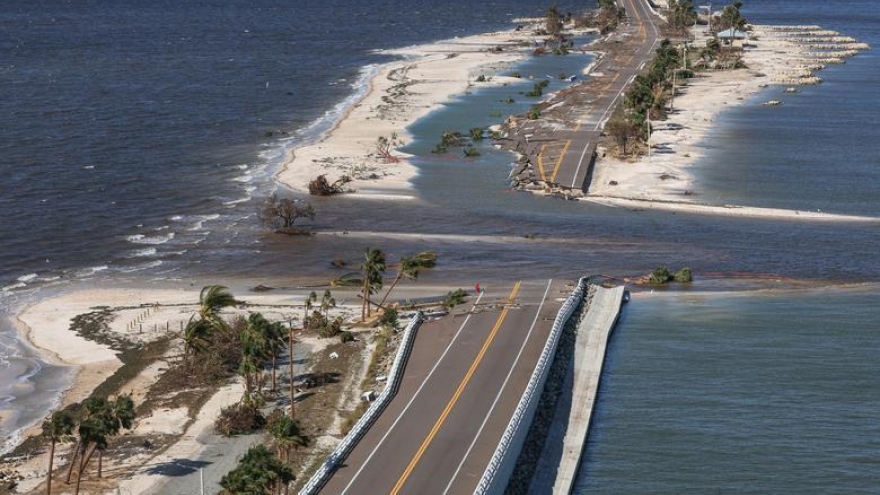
<point>463,381</point>
<point>567,164</point>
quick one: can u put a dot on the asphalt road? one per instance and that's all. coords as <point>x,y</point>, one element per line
<point>463,381</point>
<point>567,161</point>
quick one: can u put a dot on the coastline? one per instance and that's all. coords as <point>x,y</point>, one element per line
<point>401,92</point>
<point>429,78</point>
<point>137,316</point>
<point>775,58</point>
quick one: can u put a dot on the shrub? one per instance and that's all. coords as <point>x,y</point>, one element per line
<point>323,326</point>
<point>471,152</point>
<point>345,337</point>
<point>534,113</point>
<point>477,133</point>
<point>684,275</point>
<point>454,298</point>
<point>239,419</point>
<point>389,319</point>
<point>659,276</point>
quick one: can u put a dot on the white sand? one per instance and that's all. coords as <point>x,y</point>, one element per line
<point>771,60</point>
<point>140,315</point>
<point>402,92</point>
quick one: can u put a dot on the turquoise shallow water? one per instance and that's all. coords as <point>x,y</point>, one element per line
<point>756,392</point>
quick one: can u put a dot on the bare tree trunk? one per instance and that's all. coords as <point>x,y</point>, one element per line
<point>100,462</point>
<point>49,473</point>
<point>290,369</point>
<point>72,461</point>
<point>365,309</point>
<point>273,371</point>
<point>396,279</point>
<point>83,462</point>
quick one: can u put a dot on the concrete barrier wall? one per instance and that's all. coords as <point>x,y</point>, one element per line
<point>503,462</point>
<point>323,474</point>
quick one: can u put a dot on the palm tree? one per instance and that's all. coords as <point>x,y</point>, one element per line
<point>373,268</point>
<point>327,302</point>
<point>286,433</point>
<point>307,305</point>
<point>409,267</point>
<point>258,472</point>
<point>120,415</point>
<point>276,335</point>
<point>100,420</point>
<point>350,279</point>
<point>290,367</point>
<point>197,334</point>
<point>58,428</point>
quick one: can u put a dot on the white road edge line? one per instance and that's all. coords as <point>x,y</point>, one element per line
<point>415,395</point>
<point>580,163</point>
<point>500,391</point>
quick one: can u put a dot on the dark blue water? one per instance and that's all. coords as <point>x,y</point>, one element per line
<point>162,119</point>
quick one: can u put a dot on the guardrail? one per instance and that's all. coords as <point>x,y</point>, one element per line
<point>323,474</point>
<point>503,461</point>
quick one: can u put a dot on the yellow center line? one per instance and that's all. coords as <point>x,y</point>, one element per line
<point>559,161</point>
<point>461,386</point>
<point>541,163</point>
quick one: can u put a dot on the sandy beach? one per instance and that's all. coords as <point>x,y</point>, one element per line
<point>401,93</point>
<point>776,57</point>
<point>139,316</point>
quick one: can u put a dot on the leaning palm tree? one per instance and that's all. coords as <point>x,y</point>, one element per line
<point>120,414</point>
<point>373,269</point>
<point>409,267</point>
<point>197,334</point>
<point>58,428</point>
<point>100,420</point>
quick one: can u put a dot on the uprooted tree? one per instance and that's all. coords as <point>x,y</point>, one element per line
<point>384,146</point>
<point>282,213</point>
<point>322,187</point>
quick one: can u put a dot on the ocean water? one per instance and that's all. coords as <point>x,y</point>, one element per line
<point>138,138</point>
<point>781,398</point>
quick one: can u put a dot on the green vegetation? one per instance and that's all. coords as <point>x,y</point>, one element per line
<point>661,276</point>
<point>97,420</point>
<point>681,14</point>
<point>538,89</point>
<point>449,139</point>
<point>477,133</point>
<point>646,99</point>
<point>731,18</point>
<point>454,298</point>
<point>409,267</point>
<point>684,276</point>
<point>471,152</point>
<point>259,472</point>
<point>389,319</point>
<point>534,113</point>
